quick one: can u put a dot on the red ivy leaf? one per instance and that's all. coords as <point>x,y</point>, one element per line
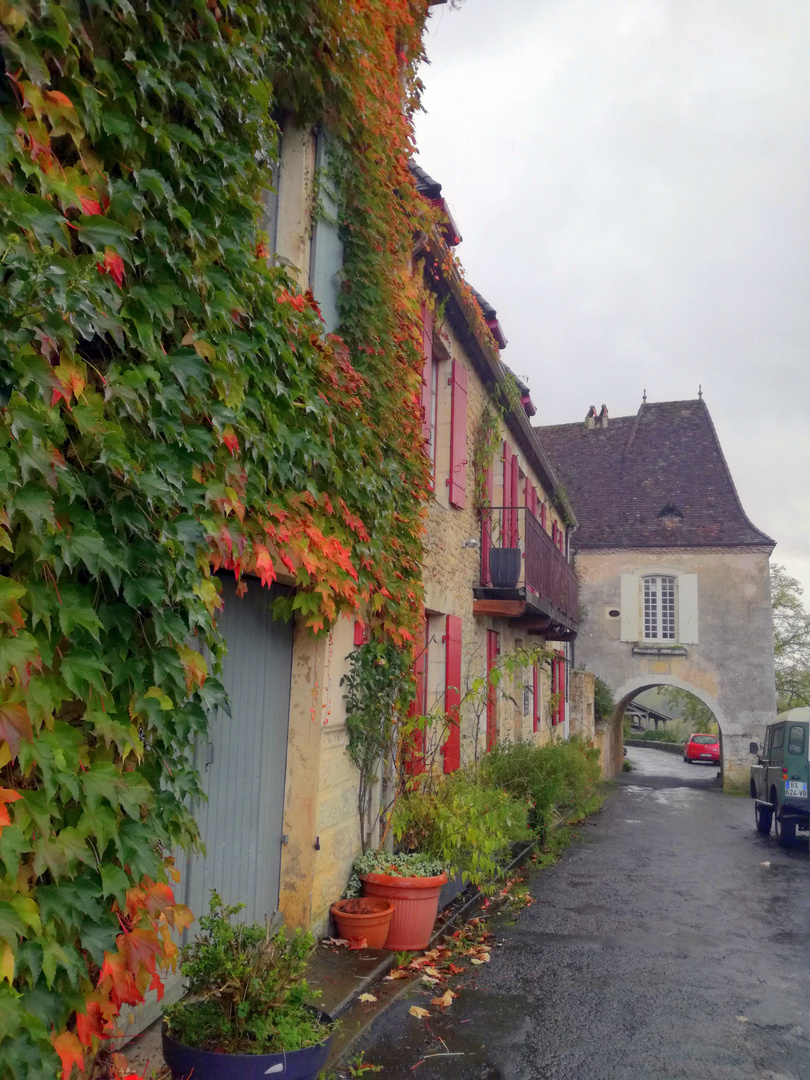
<point>230,439</point>
<point>113,265</point>
<point>6,796</point>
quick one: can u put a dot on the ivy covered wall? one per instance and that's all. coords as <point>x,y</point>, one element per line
<point>170,407</point>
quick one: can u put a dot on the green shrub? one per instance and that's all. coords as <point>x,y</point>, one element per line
<point>248,987</point>
<point>603,702</point>
<point>559,775</point>
<point>661,736</point>
<point>467,821</point>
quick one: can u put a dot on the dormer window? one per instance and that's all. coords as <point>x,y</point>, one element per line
<point>659,608</point>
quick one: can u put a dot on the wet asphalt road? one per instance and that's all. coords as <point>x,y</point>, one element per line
<point>673,941</point>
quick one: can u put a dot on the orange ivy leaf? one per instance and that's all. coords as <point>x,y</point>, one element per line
<point>194,666</point>
<point>116,980</point>
<point>70,1052</point>
<point>264,565</point>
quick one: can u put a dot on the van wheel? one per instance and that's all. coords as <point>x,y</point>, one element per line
<point>785,831</point>
<point>764,817</point>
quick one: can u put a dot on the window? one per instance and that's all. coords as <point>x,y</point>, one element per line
<point>778,736</point>
<point>659,608</point>
<point>326,254</point>
<point>796,739</point>
<point>766,753</point>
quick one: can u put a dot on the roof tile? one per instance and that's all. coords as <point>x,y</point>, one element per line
<point>622,478</point>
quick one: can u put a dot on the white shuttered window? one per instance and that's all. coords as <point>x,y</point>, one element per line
<point>659,608</point>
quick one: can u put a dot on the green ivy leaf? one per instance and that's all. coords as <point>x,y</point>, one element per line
<point>81,669</point>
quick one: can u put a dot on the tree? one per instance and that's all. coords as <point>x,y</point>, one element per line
<point>690,710</point>
<point>791,640</point>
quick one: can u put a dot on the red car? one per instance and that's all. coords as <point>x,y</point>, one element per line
<point>702,748</point>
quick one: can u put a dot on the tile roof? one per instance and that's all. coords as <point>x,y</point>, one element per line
<point>657,479</point>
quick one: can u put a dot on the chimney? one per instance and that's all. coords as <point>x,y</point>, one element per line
<point>603,417</point>
<point>590,418</point>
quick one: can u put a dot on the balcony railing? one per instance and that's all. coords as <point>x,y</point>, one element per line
<point>518,554</point>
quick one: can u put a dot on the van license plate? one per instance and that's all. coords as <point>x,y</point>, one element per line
<point>796,788</point>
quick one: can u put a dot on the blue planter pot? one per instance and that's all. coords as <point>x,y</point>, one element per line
<point>188,1063</point>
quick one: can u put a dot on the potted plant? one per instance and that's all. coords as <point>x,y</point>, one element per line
<point>413,881</point>
<point>363,918</point>
<point>247,1015</point>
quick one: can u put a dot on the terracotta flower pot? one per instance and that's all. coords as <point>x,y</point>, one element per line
<point>416,902</point>
<point>364,917</point>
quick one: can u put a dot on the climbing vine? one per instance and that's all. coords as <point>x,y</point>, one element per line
<point>171,407</point>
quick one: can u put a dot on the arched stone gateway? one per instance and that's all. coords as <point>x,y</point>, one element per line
<point>612,737</point>
<point>674,581</point>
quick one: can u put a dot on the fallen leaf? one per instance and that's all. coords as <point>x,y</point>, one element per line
<point>397,973</point>
<point>367,997</point>
<point>358,943</point>
<point>417,1012</point>
<point>429,981</point>
<point>445,1000</point>
<point>454,969</point>
<point>432,971</point>
<point>334,941</point>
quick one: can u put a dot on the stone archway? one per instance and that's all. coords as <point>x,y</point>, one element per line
<point>614,736</point>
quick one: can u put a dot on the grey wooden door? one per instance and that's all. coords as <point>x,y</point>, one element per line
<point>242,767</point>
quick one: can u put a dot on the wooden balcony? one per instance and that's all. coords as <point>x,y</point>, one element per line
<point>524,576</point>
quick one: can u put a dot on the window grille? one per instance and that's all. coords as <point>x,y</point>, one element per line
<point>659,608</point>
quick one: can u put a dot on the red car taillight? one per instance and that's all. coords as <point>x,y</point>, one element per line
<point>784,774</point>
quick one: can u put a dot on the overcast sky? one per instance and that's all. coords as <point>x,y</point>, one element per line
<point>632,182</point>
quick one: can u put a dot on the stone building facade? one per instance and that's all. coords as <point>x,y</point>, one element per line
<point>673,576</point>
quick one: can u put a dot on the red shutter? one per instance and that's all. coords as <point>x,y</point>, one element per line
<point>543,515</point>
<point>506,518</point>
<point>554,533</point>
<point>458,436</point>
<point>486,530</point>
<point>415,760</point>
<point>452,694</point>
<point>427,371</point>
<point>492,698</point>
<point>514,501</point>
<point>536,698</point>
<point>362,634</point>
<point>558,688</point>
<point>531,497</point>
